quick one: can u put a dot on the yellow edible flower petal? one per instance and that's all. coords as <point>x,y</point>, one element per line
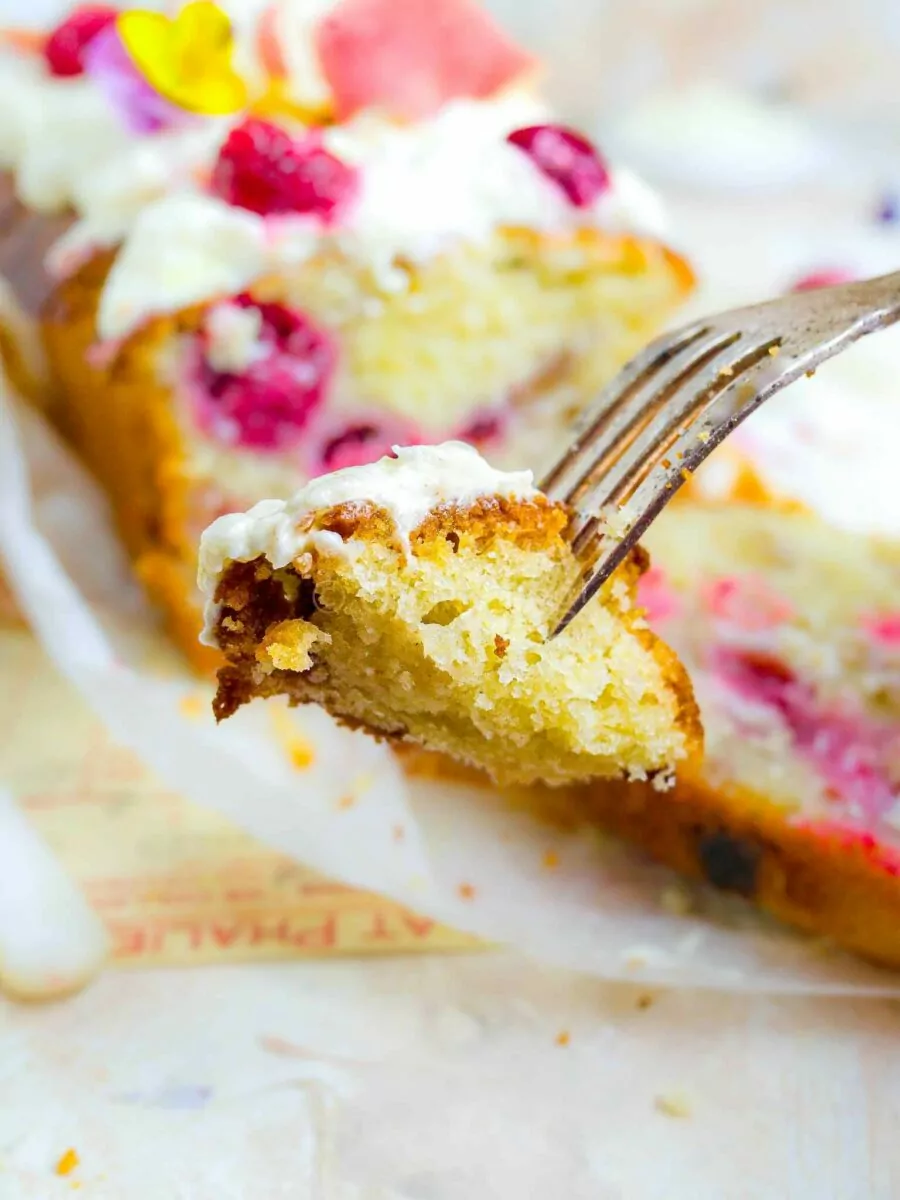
<point>187,59</point>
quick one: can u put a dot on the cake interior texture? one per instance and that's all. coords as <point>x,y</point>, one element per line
<point>441,641</point>
<point>497,345</point>
<point>790,632</point>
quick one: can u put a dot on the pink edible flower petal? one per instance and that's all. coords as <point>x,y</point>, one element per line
<point>409,57</point>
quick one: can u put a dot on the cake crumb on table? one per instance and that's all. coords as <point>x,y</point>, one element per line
<point>677,900</point>
<point>672,1104</point>
<point>563,1038</point>
<point>67,1163</point>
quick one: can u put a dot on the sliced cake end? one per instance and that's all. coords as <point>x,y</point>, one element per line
<point>413,597</point>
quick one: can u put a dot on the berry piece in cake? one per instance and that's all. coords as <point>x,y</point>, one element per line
<point>264,169</point>
<point>409,57</point>
<point>413,597</point>
<point>64,48</point>
<point>788,630</point>
<point>567,158</point>
<point>264,372</point>
<point>824,277</point>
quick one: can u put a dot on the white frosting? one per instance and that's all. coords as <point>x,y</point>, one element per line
<point>184,249</point>
<point>408,487</point>
<point>53,132</point>
<point>424,188</point>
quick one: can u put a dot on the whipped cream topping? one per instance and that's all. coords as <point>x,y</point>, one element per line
<point>408,488</point>
<point>184,249</point>
<point>53,132</point>
<point>424,188</point>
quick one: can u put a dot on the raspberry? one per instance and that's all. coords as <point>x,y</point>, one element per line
<point>262,168</point>
<point>356,446</point>
<point>483,430</point>
<point>268,405</point>
<point>565,157</point>
<point>64,48</point>
<point>826,277</point>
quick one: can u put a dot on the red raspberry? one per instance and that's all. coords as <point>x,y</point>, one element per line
<point>268,405</point>
<point>565,157</point>
<point>356,446</point>
<point>64,48</point>
<point>825,277</point>
<point>264,169</point>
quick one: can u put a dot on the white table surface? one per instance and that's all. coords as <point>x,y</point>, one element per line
<point>437,1078</point>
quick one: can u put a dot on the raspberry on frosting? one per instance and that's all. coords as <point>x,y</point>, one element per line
<point>64,48</point>
<point>267,404</point>
<point>261,167</point>
<point>566,158</point>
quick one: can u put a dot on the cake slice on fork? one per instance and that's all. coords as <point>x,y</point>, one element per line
<point>412,597</point>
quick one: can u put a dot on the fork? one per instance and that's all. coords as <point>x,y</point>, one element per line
<point>671,405</point>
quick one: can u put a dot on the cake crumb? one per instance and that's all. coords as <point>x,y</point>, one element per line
<point>346,802</point>
<point>563,1038</point>
<point>68,1162</point>
<point>550,860</point>
<point>192,706</point>
<point>774,351</point>
<point>676,900</point>
<point>644,1001</point>
<point>466,891</point>
<point>399,833</point>
<point>298,751</point>
<point>672,1104</point>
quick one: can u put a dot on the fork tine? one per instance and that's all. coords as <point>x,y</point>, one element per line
<point>693,407</point>
<point>640,369</point>
<point>640,462</point>
<point>626,435</point>
<point>626,463</point>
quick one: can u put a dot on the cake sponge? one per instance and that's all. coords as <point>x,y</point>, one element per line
<point>414,598</point>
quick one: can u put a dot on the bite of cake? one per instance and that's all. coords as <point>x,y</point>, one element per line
<point>413,597</point>
<point>790,632</point>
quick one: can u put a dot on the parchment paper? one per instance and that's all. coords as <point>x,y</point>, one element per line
<point>464,856</point>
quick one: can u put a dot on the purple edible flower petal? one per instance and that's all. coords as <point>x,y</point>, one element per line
<point>140,108</point>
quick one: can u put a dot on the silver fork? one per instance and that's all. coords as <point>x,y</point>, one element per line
<point>668,408</point>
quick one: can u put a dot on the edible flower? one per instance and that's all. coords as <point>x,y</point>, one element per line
<point>187,58</point>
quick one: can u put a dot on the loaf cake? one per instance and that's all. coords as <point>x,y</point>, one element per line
<point>790,632</point>
<point>299,241</point>
<point>413,597</point>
